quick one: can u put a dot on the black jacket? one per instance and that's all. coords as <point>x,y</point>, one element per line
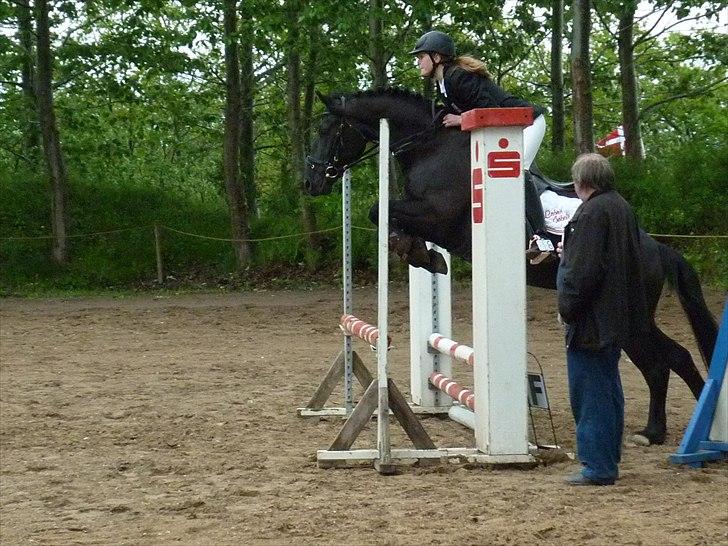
<point>467,90</point>
<point>600,280</point>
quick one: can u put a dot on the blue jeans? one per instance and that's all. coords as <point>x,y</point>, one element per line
<point>597,403</point>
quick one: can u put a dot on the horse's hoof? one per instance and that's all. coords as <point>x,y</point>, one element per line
<point>637,440</point>
<point>437,262</point>
<point>644,438</point>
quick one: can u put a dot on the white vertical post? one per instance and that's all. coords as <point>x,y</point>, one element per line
<point>383,441</point>
<point>347,285</point>
<point>430,312</point>
<point>499,279</point>
<point>719,428</point>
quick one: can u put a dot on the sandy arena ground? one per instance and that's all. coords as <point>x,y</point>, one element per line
<point>157,420</point>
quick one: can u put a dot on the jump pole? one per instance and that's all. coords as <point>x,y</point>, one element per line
<point>384,462</point>
<point>381,395</point>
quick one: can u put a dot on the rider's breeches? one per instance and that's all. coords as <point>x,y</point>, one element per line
<point>532,137</point>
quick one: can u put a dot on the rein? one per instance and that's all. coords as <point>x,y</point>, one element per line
<point>398,147</point>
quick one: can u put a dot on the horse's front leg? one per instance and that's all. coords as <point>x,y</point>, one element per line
<point>409,247</point>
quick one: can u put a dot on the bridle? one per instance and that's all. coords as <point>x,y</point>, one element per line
<point>331,170</point>
<point>334,171</point>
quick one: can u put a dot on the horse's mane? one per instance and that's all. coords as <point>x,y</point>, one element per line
<point>397,93</point>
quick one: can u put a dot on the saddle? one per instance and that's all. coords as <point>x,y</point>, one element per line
<point>543,183</point>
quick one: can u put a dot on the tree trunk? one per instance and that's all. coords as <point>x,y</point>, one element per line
<point>377,57</point>
<point>581,77</point>
<point>295,125</point>
<point>236,199</point>
<point>628,80</point>
<point>557,76</point>
<point>51,142</point>
<point>247,98</point>
<point>25,35</point>
<point>309,84</point>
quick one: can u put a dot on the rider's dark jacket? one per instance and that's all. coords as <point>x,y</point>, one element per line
<point>467,90</point>
<point>600,280</point>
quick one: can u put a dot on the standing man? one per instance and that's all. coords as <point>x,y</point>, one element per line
<point>601,301</point>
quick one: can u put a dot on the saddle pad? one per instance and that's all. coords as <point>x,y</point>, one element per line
<point>558,210</point>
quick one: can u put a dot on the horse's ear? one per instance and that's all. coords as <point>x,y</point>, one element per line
<point>326,100</point>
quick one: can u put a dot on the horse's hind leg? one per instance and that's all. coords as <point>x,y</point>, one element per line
<point>645,354</point>
<point>681,362</point>
<point>655,355</point>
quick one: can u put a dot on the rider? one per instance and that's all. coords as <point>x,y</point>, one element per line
<point>464,83</point>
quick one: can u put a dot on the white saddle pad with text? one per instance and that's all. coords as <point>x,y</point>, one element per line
<point>558,210</point>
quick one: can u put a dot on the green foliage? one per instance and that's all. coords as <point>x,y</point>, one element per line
<point>139,99</point>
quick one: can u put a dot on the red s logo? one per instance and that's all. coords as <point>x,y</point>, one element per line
<point>504,164</point>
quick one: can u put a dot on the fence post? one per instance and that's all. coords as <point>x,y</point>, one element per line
<point>158,249</point>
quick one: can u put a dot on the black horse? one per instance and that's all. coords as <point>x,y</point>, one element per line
<point>436,207</point>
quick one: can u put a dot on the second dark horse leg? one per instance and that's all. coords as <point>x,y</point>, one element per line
<point>411,248</point>
<point>655,355</point>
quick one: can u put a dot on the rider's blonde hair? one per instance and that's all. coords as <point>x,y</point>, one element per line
<point>471,64</point>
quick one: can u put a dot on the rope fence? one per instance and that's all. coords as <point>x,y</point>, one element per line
<point>158,237</point>
<point>277,237</point>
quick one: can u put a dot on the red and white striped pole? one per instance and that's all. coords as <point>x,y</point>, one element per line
<point>453,389</point>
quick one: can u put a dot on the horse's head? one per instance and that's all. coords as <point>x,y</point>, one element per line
<point>338,142</point>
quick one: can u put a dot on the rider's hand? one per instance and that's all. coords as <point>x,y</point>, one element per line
<point>451,120</point>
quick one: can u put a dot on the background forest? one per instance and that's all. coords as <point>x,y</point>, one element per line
<point>117,116</point>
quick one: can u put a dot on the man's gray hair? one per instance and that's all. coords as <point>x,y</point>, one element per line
<point>593,171</point>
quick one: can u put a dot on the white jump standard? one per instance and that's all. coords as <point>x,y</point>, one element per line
<point>498,355</point>
<point>347,365</point>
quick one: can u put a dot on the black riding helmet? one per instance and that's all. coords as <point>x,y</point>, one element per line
<point>435,42</point>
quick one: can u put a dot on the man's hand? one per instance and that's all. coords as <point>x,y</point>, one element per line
<point>560,248</point>
<point>451,120</point>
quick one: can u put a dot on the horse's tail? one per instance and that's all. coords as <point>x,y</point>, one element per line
<point>683,278</point>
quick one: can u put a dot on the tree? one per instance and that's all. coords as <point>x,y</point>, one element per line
<point>557,76</point>
<point>630,38</point>
<point>377,55</point>
<point>633,147</point>
<point>247,99</point>
<point>25,39</point>
<point>293,12</point>
<point>51,141</point>
<point>231,148</point>
<point>581,77</point>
